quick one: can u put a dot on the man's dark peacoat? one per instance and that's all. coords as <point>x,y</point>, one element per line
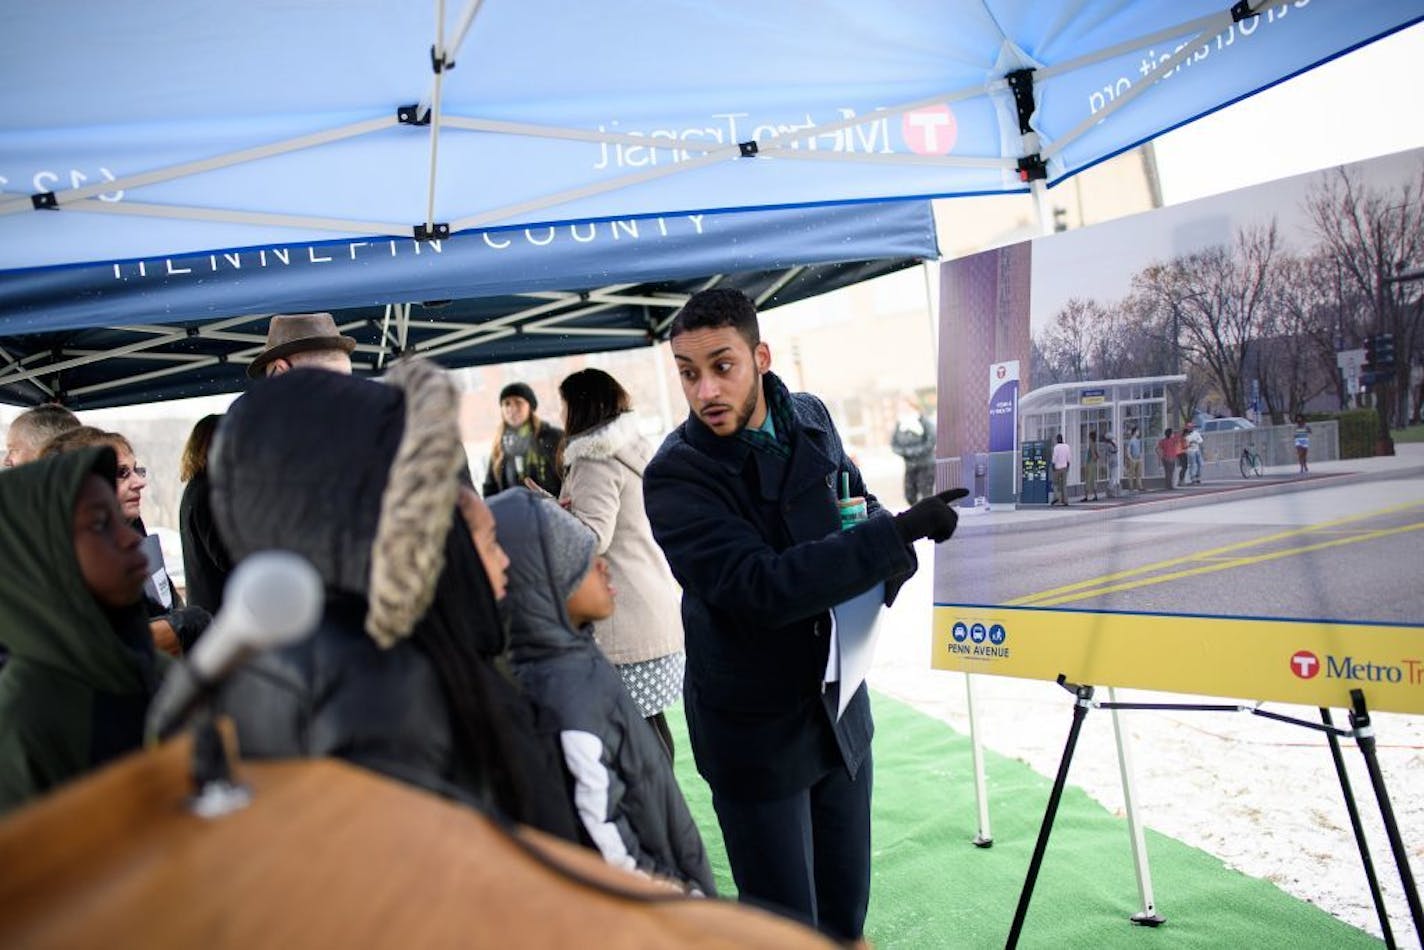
<point>761,559</point>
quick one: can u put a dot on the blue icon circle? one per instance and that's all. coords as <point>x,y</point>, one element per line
<point>960,632</point>
<point>977,633</point>
<point>997,634</point>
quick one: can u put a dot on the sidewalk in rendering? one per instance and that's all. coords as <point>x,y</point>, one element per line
<point>1407,462</point>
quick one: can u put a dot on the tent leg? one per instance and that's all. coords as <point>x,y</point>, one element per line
<point>985,837</point>
<point>1147,916</point>
<point>1041,208</point>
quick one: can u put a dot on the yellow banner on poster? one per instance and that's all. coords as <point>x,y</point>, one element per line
<point>1289,661</point>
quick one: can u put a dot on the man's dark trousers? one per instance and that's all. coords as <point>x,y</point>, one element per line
<point>807,855</point>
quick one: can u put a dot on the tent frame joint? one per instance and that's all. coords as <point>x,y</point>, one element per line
<point>1032,168</point>
<point>412,115</point>
<point>1241,10</point>
<point>45,201</point>
<point>748,148</point>
<point>1021,84</point>
<point>438,231</point>
<point>438,62</point>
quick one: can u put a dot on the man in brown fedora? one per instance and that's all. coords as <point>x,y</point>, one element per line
<point>302,339</point>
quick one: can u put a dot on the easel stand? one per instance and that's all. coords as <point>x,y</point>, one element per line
<point>1360,729</point>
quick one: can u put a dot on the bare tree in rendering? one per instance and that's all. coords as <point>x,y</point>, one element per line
<point>1373,235</point>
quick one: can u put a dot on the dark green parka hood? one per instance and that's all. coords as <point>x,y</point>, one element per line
<point>78,676</point>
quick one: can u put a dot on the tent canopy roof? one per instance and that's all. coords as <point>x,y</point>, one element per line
<point>267,123</point>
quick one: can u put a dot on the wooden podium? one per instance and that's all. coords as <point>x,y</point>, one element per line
<point>326,855</point>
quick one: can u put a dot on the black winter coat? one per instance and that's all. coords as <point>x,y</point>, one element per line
<point>544,470</point>
<point>761,560</point>
<point>206,563</point>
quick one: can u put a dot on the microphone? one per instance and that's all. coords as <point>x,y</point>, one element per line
<point>272,599</point>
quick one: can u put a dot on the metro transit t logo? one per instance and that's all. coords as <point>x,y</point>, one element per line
<point>1305,664</point>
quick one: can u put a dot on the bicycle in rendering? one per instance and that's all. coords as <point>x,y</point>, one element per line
<point>1250,463</point>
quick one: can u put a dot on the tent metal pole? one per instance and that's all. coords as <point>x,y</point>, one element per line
<point>1214,26</point>
<point>1147,916</point>
<point>531,130</point>
<point>1042,212</point>
<point>1044,73</point>
<point>449,52</point>
<point>896,158</point>
<point>468,344</point>
<point>128,182</point>
<point>495,215</point>
<point>385,338</point>
<point>439,64</point>
<point>145,377</point>
<point>181,213</point>
<point>12,362</point>
<point>985,836</point>
<point>791,274</point>
<point>660,372</point>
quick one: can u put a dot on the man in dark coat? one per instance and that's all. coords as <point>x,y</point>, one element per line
<point>742,498</point>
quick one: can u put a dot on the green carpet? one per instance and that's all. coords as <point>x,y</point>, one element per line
<point>932,888</point>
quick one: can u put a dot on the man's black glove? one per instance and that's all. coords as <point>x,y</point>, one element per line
<point>931,517</point>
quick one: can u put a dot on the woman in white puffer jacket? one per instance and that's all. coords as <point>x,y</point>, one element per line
<point>604,456</point>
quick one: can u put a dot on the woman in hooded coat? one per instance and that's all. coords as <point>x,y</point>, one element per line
<point>397,677</point>
<point>603,487</point>
<point>82,667</point>
<point>625,792</point>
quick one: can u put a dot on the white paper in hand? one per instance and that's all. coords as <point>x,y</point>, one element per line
<point>854,626</point>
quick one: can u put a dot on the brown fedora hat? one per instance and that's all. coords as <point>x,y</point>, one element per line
<point>290,333</point>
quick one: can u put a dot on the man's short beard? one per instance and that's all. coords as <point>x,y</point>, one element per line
<point>744,414</point>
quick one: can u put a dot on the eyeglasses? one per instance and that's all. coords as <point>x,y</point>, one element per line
<point>124,472</point>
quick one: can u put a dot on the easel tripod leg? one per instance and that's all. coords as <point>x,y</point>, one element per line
<point>1365,737</point>
<point>1084,699</point>
<point>1358,828</point>
<point>985,837</point>
<point>1147,916</point>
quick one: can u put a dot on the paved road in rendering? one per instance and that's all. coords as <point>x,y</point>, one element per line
<point>1344,552</point>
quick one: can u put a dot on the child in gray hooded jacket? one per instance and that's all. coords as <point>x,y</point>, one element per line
<point>624,791</point>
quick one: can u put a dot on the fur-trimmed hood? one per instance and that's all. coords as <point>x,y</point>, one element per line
<point>358,477</point>
<point>617,439</point>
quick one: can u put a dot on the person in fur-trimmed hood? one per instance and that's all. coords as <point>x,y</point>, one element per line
<point>624,790</point>
<point>363,479</point>
<point>603,487</point>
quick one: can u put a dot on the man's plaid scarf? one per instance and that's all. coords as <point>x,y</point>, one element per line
<point>778,403</point>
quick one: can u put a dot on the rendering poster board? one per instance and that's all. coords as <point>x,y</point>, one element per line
<point>1289,586</point>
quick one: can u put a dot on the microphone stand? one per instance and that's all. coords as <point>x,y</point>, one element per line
<point>215,791</point>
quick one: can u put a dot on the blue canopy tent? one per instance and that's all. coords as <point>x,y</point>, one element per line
<point>191,131</point>
<point>138,331</point>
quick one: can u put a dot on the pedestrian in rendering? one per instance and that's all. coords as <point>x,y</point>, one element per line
<point>1092,467</point>
<point>1134,459</point>
<point>1167,455</point>
<point>1180,442</point>
<point>1302,444</point>
<point>1193,441</point>
<point>1062,459</point>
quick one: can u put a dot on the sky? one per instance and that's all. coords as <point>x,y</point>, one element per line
<point>1333,115</point>
<point>1360,105</point>
<point>1099,262</point>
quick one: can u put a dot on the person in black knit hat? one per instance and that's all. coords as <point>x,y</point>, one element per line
<point>526,448</point>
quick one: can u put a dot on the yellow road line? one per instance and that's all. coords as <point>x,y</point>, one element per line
<point>1031,600</point>
<point>1225,565</point>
